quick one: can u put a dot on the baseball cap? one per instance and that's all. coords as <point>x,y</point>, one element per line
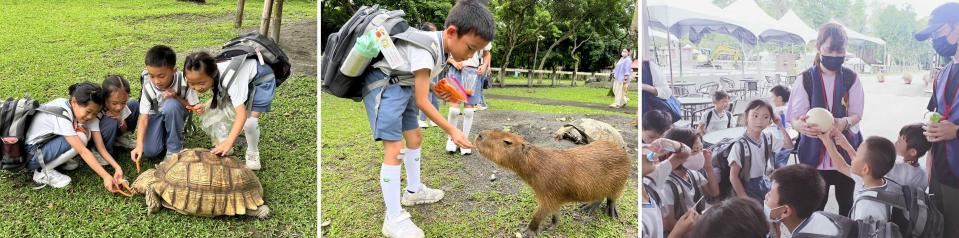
<point>943,14</point>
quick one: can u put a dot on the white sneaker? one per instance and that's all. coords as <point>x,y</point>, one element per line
<point>424,124</point>
<point>401,227</point>
<point>425,195</point>
<point>100,158</point>
<point>125,142</point>
<point>70,165</point>
<point>450,146</point>
<point>51,177</point>
<point>466,151</point>
<point>480,108</point>
<point>253,160</point>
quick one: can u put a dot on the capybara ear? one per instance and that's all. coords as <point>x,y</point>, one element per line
<point>526,148</point>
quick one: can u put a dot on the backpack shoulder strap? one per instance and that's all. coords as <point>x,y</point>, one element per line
<point>709,118</point>
<point>679,206</point>
<point>729,117</point>
<point>807,84</point>
<point>232,68</point>
<point>745,159</point>
<point>56,111</point>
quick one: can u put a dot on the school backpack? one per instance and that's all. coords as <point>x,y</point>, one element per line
<point>16,115</point>
<point>709,118</point>
<point>254,45</point>
<point>721,161</point>
<point>911,208</point>
<point>848,228</point>
<point>679,195</point>
<point>339,44</point>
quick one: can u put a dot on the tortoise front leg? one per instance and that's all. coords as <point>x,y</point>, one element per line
<point>153,201</point>
<point>261,212</point>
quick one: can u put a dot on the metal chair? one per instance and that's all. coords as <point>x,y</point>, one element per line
<point>707,88</point>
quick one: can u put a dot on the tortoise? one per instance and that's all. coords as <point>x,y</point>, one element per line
<point>197,182</point>
<point>585,131</point>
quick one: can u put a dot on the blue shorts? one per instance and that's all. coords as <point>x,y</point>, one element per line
<point>468,78</point>
<point>263,93</point>
<point>757,188</point>
<point>390,109</point>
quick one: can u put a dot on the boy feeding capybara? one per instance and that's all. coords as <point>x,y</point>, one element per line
<point>589,173</point>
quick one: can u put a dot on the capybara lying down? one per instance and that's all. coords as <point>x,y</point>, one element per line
<point>589,173</point>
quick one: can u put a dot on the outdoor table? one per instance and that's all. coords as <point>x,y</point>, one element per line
<point>682,87</point>
<point>691,104</point>
<point>717,136</point>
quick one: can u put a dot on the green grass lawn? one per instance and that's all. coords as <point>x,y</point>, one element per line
<point>48,45</point>
<point>578,94</point>
<point>352,201</point>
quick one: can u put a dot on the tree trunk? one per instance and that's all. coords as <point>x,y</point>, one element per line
<point>277,18</point>
<point>239,14</point>
<point>265,20</point>
<point>542,62</point>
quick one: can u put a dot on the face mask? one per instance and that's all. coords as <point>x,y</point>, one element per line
<point>943,47</point>
<point>695,162</point>
<point>832,63</point>
<point>769,212</point>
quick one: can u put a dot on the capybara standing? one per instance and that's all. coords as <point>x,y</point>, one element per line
<point>589,173</point>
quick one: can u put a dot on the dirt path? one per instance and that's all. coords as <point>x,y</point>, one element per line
<point>627,110</point>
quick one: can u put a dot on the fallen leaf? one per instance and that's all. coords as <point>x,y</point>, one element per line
<point>325,223</point>
<point>50,205</point>
<point>287,114</point>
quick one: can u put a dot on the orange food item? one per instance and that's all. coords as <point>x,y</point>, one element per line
<point>445,87</point>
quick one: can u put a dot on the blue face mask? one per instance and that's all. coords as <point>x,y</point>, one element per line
<point>832,63</point>
<point>943,47</point>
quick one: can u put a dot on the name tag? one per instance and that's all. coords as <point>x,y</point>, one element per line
<point>388,49</point>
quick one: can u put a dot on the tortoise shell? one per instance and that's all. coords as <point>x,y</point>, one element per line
<point>585,131</point>
<point>197,182</point>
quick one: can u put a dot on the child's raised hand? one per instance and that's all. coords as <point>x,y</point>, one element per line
<point>460,139</point>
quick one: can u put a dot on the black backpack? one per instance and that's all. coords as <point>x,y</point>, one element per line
<point>339,44</point>
<point>721,161</point>
<point>679,195</point>
<point>849,228</point>
<point>16,115</point>
<point>246,46</point>
<point>911,208</point>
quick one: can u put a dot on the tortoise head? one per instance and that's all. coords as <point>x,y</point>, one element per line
<point>143,181</point>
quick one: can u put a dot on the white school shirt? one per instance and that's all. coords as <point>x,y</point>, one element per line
<point>908,175</point>
<point>149,88</point>
<point>416,58</point>
<point>814,224</point>
<point>866,208</point>
<point>240,88</point>
<point>652,218</point>
<point>45,123</point>
<point>759,165</point>
<point>688,190</point>
<point>720,120</point>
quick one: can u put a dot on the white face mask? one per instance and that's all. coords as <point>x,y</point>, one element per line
<point>695,162</point>
<point>769,213</point>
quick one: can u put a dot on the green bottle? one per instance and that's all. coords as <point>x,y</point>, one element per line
<point>935,118</point>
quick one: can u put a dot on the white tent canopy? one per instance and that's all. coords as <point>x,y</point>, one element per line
<point>794,24</point>
<point>696,18</point>
<point>857,38</point>
<point>757,21</point>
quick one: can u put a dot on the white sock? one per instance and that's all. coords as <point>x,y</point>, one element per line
<point>468,121</point>
<point>390,185</point>
<point>252,130</point>
<point>411,161</point>
<point>453,116</point>
<point>61,159</point>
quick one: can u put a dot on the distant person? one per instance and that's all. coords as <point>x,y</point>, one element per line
<point>943,29</point>
<point>717,119</point>
<point>910,146</point>
<point>621,74</point>
<point>779,100</point>
<point>819,87</point>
